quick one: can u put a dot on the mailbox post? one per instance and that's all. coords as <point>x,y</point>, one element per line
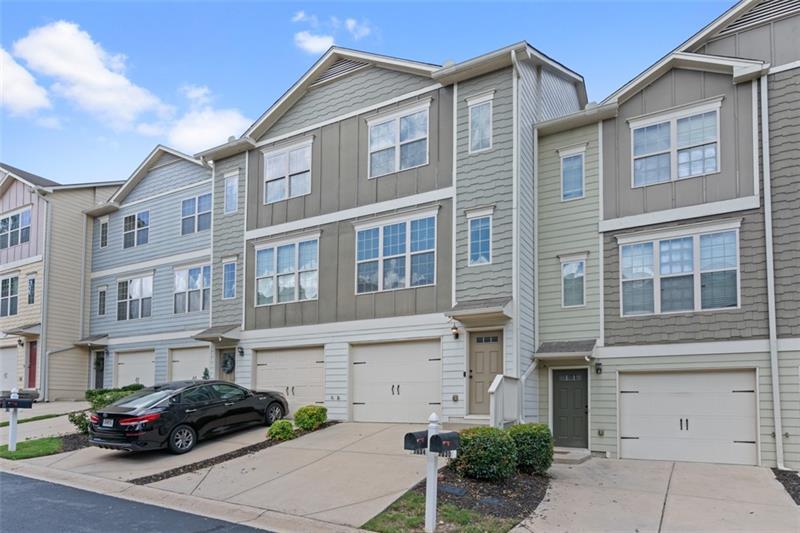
<point>432,480</point>
<point>12,423</point>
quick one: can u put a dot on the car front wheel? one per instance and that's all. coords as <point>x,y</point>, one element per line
<point>274,413</point>
<point>182,439</point>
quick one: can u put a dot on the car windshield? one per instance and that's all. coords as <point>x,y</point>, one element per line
<point>144,398</point>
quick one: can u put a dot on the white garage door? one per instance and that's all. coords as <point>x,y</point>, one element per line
<point>397,382</point>
<point>297,373</point>
<point>136,367</point>
<point>189,363</point>
<point>689,416</point>
<point>8,368</point>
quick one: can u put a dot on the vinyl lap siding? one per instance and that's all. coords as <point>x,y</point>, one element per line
<point>454,366</point>
<point>68,374</point>
<point>337,380</point>
<point>168,172</point>
<point>790,406</point>
<point>161,353</point>
<point>558,96</point>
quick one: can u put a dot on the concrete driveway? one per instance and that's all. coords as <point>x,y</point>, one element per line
<point>49,427</point>
<point>626,495</point>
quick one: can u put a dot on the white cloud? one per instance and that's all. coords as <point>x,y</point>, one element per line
<point>19,92</point>
<point>196,94</point>
<point>87,75</point>
<point>206,127</point>
<point>311,43</point>
<point>302,16</point>
<point>357,29</point>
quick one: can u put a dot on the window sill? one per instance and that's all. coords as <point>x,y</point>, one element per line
<point>481,151</point>
<point>564,200</point>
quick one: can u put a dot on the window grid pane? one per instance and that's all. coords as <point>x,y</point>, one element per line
<point>573,274</point>
<point>287,274</point>
<point>480,126</point>
<point>572,177</point>
<point>398,144</point>
<point>480,241</point>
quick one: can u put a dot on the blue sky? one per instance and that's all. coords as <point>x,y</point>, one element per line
<point>89,88</point>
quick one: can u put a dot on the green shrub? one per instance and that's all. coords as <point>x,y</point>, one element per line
<point>310,417</point>
<point>534,447</point>
<point>281,430</point>
<point>108,397</point>
<point>93,393</point>
<point>486,453</point>
<point>80,421</point>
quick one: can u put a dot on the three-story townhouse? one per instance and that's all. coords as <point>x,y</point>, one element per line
<point>695,355</point>
<point>379,208</point>
<point>150,275</point>
<point>41,257</point>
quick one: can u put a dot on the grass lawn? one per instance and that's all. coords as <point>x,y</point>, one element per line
<point>408,514</point>
<point>32,419</point>
<point>29,449</point>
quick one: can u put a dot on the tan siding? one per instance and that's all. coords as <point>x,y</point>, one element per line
<point>69,374</point>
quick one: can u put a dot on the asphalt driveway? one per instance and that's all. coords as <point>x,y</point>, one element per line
<point>626,495</point>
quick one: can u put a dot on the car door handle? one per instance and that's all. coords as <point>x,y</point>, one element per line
<point>191,410</point>
<point>229,403</point>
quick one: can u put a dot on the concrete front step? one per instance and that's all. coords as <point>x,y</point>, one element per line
<point>571,456</point>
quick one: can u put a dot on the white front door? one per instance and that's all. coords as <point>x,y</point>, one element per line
<point>8,368</point>
<point>189,363</point>
<point>396,382</point>
<point>689,416</point>
<point>298,374</point>
<point>136,367</point>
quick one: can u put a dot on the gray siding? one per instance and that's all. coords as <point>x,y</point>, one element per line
<point>679,86</point>
<point>17,196</point>
<point>337,299</point>
<point>349,93</point>
<point>171,170</point>
<point>485,179</point>
<point>790,406</point>
<point>228,241</point>
<point>339,166</point>
<point>558,96</point>
<point>784,117</point>
<point>748,322</point>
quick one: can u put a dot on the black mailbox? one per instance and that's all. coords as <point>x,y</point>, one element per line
<point>445,443</point>
<point>21,403</point>
<point>416,441</point>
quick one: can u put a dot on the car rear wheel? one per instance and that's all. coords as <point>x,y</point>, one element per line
<point>274,413</point>
<point>182,439</point>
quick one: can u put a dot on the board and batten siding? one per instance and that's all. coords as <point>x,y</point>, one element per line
<point>485,179</point>
<point>362,88</point>
<point>339,156</point>
<point>228,242</point>
<point>568,228</point>
<point>19,196</point>
<point>678,87</point>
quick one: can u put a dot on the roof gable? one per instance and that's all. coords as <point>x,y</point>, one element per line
<point>149,162</point>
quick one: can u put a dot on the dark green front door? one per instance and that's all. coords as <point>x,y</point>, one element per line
<point>570,408</point>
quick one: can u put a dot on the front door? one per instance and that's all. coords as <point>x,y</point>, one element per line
<point>485,362</point>
<point>32,364</point>
<point>99,368</point>
<point>226,365</point>
<point>570,408</point>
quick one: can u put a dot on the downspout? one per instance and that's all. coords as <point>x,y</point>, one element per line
<point>517,372</point>
<point>83,295</point>
<point>42,347</point>
<point>212,359</point>
<point>773,330</point>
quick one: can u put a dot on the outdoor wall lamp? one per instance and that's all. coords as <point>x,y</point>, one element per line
<point>241,351</point>
<point>454,331</point>
<point>20,342</point>
<point>598,368</point>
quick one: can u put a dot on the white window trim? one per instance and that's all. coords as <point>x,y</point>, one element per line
<point>104,221</point>
<point>135,230</point>
<point>181,268</point>
<point>273,151</point>
<point>574,258</point>
<point>396,116</point>
<point>473,101</point>
<point>695,232</point>
<point>379,224</point>
<point>197,213</point>
<point>129,279</point>
<point>672,116</point>
<point>233,262</point>
<point>476,214</point>
<point>10,277</point>
<point>571,152</point>
<point>30,295</point>
<point>296,240</point>
<point>230,175</point>
<point>19,212</point>
<point>104,289</point>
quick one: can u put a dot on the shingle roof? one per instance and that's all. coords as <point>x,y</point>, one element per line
<point>27,176</point>
<point>567,346</point>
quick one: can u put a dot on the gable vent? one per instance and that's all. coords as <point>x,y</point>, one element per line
<point>339,68</point>
<point>761,13</point>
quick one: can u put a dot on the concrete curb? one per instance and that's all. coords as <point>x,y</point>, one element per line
<point>219,510</point>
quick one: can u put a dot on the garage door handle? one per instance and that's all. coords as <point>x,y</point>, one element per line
<point>287,391</point>
<point>687,424</point>
<point>398,389</point>
<point>681,424</point>
<point>292,390</point>
<point>392,390</point>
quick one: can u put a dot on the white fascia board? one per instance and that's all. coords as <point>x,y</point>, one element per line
<point>19,264</point>
<point>783,68</point>
<point>155,263</point>
<point>680,213</point>
<point>712,226</point>
<point>687,348</point>
<point>113,342</point>
<point>144,166</point>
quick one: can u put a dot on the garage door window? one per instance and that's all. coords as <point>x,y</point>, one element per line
<point>682,273</point>
<point>192,289</point>
<point>134,298</point>
<point>287,273</point>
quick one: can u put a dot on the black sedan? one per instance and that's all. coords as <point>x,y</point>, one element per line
<point>176,415</point>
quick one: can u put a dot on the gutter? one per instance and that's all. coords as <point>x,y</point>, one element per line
<point>773,329</point>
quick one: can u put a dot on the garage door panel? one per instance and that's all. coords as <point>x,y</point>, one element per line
<point>8,368</point>
<point>298,373</point>
<point>136,367</point>
<point>188,363</point>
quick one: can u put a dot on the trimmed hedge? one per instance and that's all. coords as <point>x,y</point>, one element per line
<point>91,394</point>
<point>486,453</point>
<point>281,430</point>
<point>534,444</point>
<point>99,398</point>
<point>310,417</point>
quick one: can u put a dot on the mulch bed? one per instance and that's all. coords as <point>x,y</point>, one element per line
<point>74,441</point>
<point>790,481</point>
<point>199,465</point>
<point>515,498</point>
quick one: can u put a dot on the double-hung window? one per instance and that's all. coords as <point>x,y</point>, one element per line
<point>676,145</point>
<point>573,284</point>
<point>134,298</point>
<point>480,122</point>
<point>231,192</point>
<point>196,214</point>
<point>480,236</point>
<point>680,273</point>
<point>101,301</point>
<point>287,173</point>
<point>136,229</point>
<point>103,233</point>
<point>228,280</point>
<point>396,255</point>
<point>398,142</point>
<point>192,289</point>
<point>31,289</point>
<point>9,297</point>
<point>572,173</point>
<point>287,272</point>
<point>15,229</point>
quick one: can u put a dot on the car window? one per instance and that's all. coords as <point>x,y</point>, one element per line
<point>198,395</point>
<point>229,392</point>
<point>144,398</point>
